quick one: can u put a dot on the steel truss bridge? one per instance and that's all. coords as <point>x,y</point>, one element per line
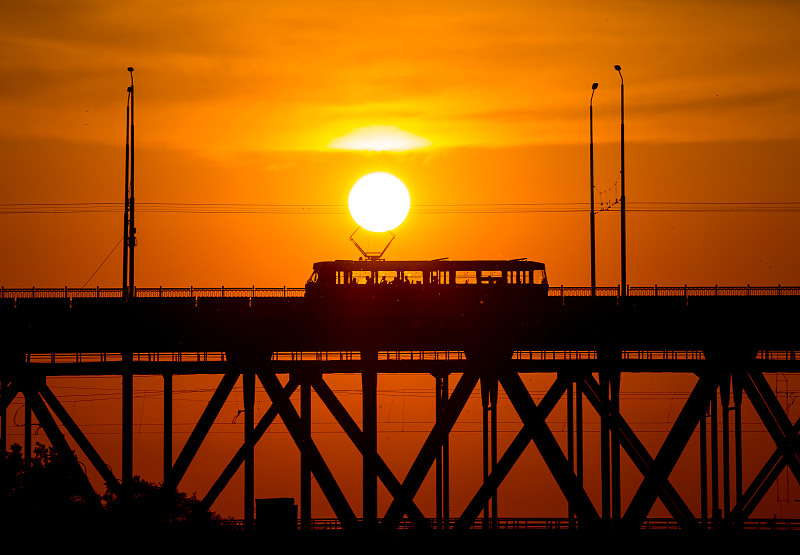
<point>726,337</point>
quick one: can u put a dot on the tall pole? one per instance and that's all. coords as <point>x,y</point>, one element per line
<point>132,235</point>
<point>591,191</point>
<point>623,257</point>
<point>127,195</point>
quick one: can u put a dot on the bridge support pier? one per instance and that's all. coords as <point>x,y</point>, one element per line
<point>369,412</point>
<point>489,404</point>
<point>305,463</point>
<point>726,449</point>
<point>3,414</point>
<point>167,427</point>
<point>715,509</point>
<point>737,427</point>
<point>442,459</point>
<point>127,427</point>
<point>704,468</point>
<point>249,394</point>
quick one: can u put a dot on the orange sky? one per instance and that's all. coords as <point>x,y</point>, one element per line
<point>237,102</point>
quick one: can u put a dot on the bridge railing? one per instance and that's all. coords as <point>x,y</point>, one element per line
<point>149,292</point>
<point>679,291</point>
<point>294,292</point>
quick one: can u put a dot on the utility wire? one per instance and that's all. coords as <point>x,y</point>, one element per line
<point>101,264</point>
<point>463,208</point>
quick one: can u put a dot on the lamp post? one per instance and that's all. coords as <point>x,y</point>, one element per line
<point>591,191</point>
<point>623,257</point>
<point>129,231</point>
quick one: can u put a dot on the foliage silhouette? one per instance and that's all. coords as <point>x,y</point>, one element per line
<point>51,491</point>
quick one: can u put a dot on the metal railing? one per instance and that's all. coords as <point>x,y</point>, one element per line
<point>679,291</point>
<point>295,292</point>
<point>150,292</point>
<point>557,523</point>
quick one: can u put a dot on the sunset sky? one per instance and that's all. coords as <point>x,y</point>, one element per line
<point>241,104</point>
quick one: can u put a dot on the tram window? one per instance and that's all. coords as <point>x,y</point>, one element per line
<point>413,276</point>
<point>539,277</point>
<point>361,276</point>
<point>387,276</point>
<point>440,277</point>
<point>466,276</point>
<point>492,277</point>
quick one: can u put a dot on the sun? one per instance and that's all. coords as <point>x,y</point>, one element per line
<point>379,202</point>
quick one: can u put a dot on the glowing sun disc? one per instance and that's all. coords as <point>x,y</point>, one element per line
<point>379,202</point>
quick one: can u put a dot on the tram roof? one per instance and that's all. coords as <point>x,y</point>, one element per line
<point>422,265</point>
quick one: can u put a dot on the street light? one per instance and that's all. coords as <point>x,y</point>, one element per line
<point>623,257</point>
<point>591,190</point>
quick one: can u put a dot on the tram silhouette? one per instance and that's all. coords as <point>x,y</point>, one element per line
<point>467,279</point>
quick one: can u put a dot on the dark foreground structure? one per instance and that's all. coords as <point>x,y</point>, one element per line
<point>472,326</point>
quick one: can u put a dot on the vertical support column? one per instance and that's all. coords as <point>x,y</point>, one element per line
<point>305,464</point>
<point>579,432</point>
<point>571,445</point>
<point>127,425</point>
<point>439,455</point>
<point>726,448</point>
<point>168,486</point>
<point>28,446</point>
<point>369,411</point>
<point>485,441</point>
<point>249,398</point>
<point>493,400</point>
<point>704,470</point>
<point>737,426</point>
<point>605,467</point>
<point>616,510</point>
<point>3,415</point>
<point>445,459</point>
<point>714,460</point>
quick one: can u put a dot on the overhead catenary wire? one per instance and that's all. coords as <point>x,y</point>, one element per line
<point>446,208</point>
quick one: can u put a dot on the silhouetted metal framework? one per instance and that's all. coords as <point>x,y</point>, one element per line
<point>727,342</point>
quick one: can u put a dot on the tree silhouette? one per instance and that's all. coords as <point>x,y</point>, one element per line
<point>154,505</point>
<point>50,491</point>
<point>48,488</point>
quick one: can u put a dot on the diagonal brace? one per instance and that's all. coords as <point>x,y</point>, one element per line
<point>325,479</point>
<point>638,454</point>
<point>509,458</point>
<point>357,437</point>
<point>238,458</point>
<point>532,417</point>
<point>677,439</point>
<point>203,426</point>
<point>83,442</point>
<point>427,454</point>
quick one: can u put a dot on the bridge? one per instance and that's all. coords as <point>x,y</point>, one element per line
<point>289,345</point>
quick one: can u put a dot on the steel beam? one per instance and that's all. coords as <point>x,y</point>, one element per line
<point>249,401</point>
<point>238,459</point>
<point>554,458</point>
<point>639,454</point>
<point>509,458</point>
<point>59,442</point>
<point>305,465</point>
<point>677,439</point>
<point>355,434</point>
<point>203,426</point>
<point>427,454</point>
<point>325,479</point>
<point>83,442</point>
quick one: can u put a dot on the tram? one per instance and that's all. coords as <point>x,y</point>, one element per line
<point>348,278</point>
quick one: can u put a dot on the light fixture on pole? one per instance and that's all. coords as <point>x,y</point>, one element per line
<point>623,256</point>
<point>129,232</point>
<point>591,191</point>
